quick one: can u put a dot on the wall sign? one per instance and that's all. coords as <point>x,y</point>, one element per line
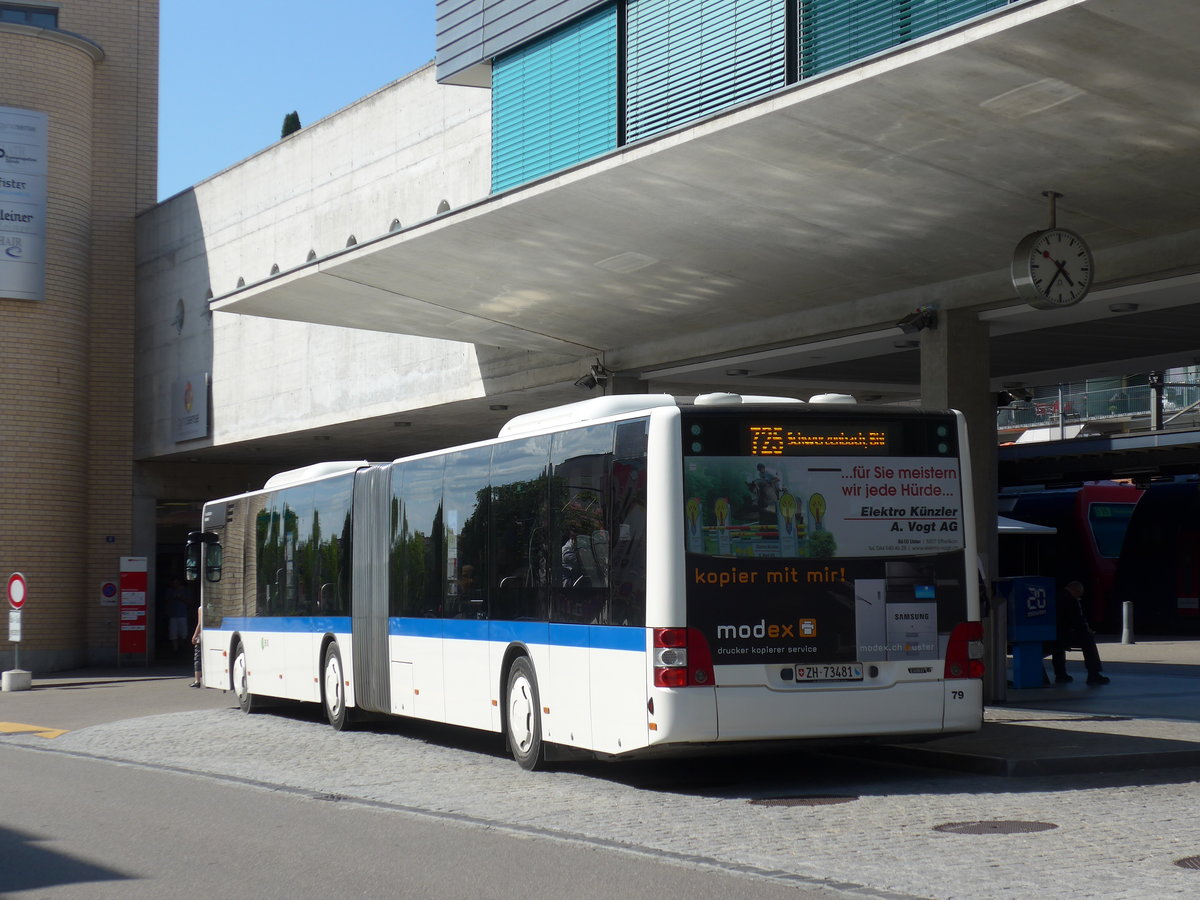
<point>132,606</point>
<point>189,407</point>
<point>23,152</point>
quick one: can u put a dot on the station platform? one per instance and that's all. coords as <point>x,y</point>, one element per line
<point>1147,717</point>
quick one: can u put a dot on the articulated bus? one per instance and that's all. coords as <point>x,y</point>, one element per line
<point>621,576</point>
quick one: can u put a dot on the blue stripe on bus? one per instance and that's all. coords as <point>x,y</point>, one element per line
<point>465,629</point>
<point>615,637</point>
<point>511,632</point>
<point>598,637</point>
<point>569,635</point>
<point>288,624</point>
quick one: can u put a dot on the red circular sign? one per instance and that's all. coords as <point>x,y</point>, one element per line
<point>16,590</point>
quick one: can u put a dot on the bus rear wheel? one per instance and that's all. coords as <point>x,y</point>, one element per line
<point>523,716</point>
<point>334,688</point>
<point>239,673</point>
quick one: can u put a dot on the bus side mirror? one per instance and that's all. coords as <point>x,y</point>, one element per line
<point>212,562</point>
<point>203,548</point>
<point>191,562</point>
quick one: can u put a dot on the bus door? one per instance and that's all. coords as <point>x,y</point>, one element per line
<point>369,606</point>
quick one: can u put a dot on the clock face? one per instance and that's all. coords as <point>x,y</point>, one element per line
<point>1053,268</point>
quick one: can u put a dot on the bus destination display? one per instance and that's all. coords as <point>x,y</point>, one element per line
<point>780,440</point>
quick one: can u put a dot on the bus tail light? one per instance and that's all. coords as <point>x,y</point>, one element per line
<point>682,659</point>
<point>964,653</point>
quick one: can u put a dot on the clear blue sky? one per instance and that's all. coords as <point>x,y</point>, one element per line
<point>230,71</point>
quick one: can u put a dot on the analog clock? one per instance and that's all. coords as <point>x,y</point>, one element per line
<point>1052,269</point>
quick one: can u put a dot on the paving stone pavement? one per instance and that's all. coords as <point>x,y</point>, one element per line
<point>868,826</point>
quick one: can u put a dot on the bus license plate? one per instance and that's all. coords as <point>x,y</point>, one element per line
<point>830,672</point>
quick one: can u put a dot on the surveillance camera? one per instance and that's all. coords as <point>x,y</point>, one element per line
<point>917,320</point>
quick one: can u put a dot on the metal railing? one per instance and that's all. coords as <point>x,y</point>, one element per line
<point>1050,407</point>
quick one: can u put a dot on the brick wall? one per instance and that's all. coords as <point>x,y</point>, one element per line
<point>66,363</point>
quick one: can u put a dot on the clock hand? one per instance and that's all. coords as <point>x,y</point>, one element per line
<point>1062,268</point>
<point>1058,271</point>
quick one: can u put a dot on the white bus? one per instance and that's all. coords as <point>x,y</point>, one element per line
<point>624,575</point>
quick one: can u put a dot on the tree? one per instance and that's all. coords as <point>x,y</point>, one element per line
<point>291,123</point>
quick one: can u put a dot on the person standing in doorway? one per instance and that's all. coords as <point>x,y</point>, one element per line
<point>1074,631</point>
<point>196,649</point>
<point>177,613</point>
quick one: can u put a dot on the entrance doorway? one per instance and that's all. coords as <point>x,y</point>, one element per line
<point>173,520</point>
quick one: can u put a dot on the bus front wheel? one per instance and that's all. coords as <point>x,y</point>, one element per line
<point>524,715</point>
<point>246,700</point>
<point>334,693</point>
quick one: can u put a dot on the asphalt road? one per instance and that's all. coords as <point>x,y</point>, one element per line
<point>73,827</point>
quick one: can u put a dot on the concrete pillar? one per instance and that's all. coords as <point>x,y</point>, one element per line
<point>955,374</point>
<point>16,680</point>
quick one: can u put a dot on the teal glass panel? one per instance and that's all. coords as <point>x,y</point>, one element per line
<point>686,59</point>
<point>833,33</point>
<point>554,102</point>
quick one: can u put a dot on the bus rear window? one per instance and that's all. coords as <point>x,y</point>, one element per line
<point>821,487</point>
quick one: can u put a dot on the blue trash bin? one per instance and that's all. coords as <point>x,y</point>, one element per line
<point>1031,624</point>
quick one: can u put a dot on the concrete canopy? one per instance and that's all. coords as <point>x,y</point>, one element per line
<point>784,239</point>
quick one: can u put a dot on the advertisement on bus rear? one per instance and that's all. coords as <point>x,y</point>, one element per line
<point>823,559</point>
<point>822,509</point>
<point>857,610</point>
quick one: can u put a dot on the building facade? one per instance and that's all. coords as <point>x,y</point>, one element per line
<point>89,72</point>
<point>767,196</point>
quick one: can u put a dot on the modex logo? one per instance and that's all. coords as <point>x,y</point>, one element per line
<point>802,628</point>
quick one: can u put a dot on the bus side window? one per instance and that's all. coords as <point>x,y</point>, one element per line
<point>326,564</point>
<point>579,488</point>
<point>398,546</point>
<point>627,543</point>
<point>268,547</point>
<point>421,538</point>
<point>466,502</point>
<point>520,554</point>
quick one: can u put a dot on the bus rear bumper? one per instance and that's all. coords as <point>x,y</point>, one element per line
<point>756,713</point>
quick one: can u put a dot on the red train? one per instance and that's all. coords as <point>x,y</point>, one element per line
<point>1092,522</point>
